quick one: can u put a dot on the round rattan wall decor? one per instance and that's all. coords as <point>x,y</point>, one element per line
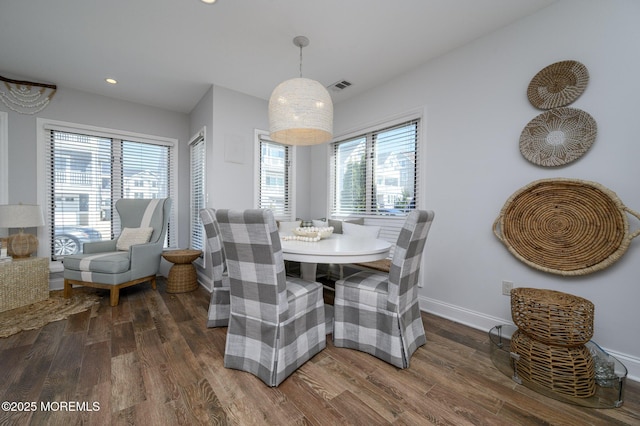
<point>558,84</point>
<point>565,226</point>
<point>558,136</point>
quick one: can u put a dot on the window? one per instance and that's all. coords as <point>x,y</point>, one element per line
<point>376,173</point>
<point>275,177</point>
<point>197,150</point>
<point>87,172</point>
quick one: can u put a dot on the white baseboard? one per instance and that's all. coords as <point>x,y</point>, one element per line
<point>205,281</point>
<point>484,322</point>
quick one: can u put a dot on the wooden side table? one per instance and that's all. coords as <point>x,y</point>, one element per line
<point>182,275</point>
<point>23,282</point>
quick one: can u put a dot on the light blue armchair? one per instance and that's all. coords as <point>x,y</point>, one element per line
<point>132,258</point>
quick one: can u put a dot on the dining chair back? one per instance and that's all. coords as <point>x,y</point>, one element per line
<point>219,304</point>
<point>276,323</point>
<point>378,313</point>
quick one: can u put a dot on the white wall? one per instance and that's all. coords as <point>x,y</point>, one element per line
<point>74,106</point>
<point>476,107</point>
<point>231,119</point>
<point>84,108</point>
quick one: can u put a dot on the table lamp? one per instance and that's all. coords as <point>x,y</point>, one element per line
<point>21,216</point>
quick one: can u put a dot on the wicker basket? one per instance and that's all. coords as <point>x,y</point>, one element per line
<point>565,226</point>
<point>552,317</point>
<point>23,282</point>
<point>558,84</point>
<point>567,371</point>
<point>182,275</point>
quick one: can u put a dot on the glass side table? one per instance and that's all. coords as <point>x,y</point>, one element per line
<point>610,373</point>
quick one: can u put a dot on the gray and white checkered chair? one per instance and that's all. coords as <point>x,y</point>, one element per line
<point>219,304</point>
<point>276,322</point>
<point>378,313</point>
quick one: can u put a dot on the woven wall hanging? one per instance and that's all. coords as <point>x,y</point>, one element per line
<point>26,97</point>
<point>558,136</point>
<point>558,84</point>
<point>565,226</point>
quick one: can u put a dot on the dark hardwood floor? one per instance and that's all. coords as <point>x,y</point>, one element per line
<point>152,361</point>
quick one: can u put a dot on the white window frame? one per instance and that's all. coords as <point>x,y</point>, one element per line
<point>43,128</point>
<point>195,223</point>
<point>291,188</point>
<point>373,128</point>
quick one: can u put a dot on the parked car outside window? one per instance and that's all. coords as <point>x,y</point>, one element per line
<point>70,239</point>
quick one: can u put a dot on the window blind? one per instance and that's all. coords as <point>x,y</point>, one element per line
<point>275,188</point>
<point>88,173</point>
<point>376,173</point>
<point>197,150</point>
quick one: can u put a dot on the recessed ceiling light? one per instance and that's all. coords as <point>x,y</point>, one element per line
<point>111,80</point>
<point>208,1</point>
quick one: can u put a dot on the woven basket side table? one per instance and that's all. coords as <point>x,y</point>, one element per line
<point>551,379</point>
<point>552,317</point>
<point>568,371</point>
<point>182,275</point>
<point>23,282</point>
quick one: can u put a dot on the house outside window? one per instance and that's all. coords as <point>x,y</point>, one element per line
<point>197,177</point>
<point>87,173</point>
<point>275,184</point>
<point>376,172</point>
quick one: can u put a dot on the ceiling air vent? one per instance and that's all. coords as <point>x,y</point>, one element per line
<point>340,85</point>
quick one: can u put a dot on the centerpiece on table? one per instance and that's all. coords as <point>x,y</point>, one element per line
<point>310,233</point>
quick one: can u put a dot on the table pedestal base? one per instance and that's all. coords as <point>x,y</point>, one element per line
<point>308,271</point>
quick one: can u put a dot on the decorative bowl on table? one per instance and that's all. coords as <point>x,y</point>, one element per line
<point>314,231</point>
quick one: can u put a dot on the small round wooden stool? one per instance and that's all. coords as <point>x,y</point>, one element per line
<point>182,275</point>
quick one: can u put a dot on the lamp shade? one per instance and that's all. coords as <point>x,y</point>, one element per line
<point>20,216</point>
<point>300,113</point>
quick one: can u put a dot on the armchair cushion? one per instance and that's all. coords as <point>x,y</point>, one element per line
<point>132,236</point>
<point>113,262</point>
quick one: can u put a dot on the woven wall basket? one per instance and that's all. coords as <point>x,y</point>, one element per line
<point>558,137</point>
<point>558,84</point>
<point>565,226</point>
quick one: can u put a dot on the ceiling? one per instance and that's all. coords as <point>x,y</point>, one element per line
<point>167,53</point>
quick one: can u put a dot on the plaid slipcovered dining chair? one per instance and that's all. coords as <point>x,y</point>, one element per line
<point>378,313</point>
<point>219,304</point>
<point>277,323</point>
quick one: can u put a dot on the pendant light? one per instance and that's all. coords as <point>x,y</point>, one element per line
<point>300,109</point>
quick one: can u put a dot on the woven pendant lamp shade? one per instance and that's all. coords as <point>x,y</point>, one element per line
<point>300,113</point>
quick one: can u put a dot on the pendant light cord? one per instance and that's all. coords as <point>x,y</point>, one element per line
<point>300,61</point>
<point>301,41</point>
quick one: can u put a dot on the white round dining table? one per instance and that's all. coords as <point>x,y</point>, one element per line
<point>337,248</point>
